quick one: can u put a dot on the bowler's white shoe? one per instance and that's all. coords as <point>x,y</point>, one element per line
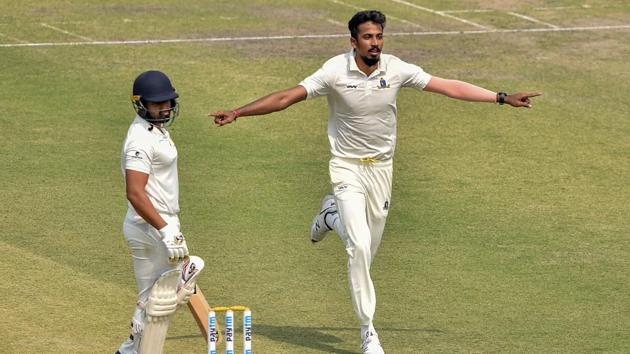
<point>323,222</point>
<point>371,344</point>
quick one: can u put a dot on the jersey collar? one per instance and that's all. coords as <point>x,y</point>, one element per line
<point>142,122</point>
<point>146,125</point>
<point>352,65</point>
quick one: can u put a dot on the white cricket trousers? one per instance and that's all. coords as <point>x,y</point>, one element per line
<point>150,260</point>
<point>150,257</point>
<point>362,191</point>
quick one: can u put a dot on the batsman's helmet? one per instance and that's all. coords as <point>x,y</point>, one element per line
<point>154,86</point>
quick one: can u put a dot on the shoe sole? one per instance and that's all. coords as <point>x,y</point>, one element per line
<point>326,212</point>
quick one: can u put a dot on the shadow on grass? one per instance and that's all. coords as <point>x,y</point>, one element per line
<point>308,337</point>
<point>316,337</point>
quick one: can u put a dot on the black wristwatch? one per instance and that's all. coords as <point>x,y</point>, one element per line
<point>501,97</point>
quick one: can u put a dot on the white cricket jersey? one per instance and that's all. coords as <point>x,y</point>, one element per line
<point>154,153</point>
<point>362,121</point>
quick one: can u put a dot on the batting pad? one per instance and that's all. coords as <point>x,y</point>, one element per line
<point>161,305</point>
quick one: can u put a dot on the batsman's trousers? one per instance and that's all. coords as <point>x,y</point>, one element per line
<point>150,261</point>
<point>150,257</point>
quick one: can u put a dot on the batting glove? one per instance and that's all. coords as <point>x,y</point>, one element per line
<point>175,243</point>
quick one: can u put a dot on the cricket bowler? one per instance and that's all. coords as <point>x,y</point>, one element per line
<point>361,87</point>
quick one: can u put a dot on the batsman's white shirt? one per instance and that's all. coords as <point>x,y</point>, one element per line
<point>152,151</point>
<point>362,121</point>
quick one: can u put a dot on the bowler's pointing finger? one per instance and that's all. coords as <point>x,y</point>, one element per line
<point>218,117</point>
<point>527,97</point>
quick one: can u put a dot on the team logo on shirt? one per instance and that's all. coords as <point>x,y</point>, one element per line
<point>382,84</point>
<point>136,155</point>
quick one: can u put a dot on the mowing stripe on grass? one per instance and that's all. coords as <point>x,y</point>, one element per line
<point>13,38</point>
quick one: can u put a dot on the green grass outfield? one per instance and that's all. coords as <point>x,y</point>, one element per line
<point>509,230</point>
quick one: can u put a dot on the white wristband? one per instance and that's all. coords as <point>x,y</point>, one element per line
<point>169,230</point>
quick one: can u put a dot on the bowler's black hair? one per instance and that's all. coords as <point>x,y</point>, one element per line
<point>365,16</point>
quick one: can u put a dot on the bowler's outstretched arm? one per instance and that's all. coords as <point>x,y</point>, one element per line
<point>468,92</point>
<point>274,102</point>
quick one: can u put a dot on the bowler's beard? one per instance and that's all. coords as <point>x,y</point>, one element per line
<point>370,61</point>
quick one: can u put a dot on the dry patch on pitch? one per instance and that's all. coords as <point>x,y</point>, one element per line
<point>264,21</point>
<point>586,51</point>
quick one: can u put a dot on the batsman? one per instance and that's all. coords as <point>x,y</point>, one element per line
<point>165,273</point>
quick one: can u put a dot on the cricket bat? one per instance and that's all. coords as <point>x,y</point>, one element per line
<point>199,308</point>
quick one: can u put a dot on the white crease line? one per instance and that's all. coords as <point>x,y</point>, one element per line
<point>440,13</point>
<point>346,4</point>
<point>388,16</point>
<point>528,18</point>
<point>66,32</point>
<point>177,40</point>
<point>466,11</point>
<point>69,22</point>
<point>518,30</point>
<point>337,23</point>
<point>12,38</point>
<point>585,6</point>
<point>316,36</point>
